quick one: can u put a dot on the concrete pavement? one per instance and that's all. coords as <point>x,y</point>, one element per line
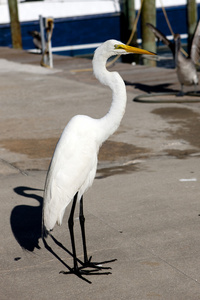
<point>143,208</point>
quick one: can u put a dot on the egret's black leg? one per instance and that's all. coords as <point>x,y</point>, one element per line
<point>71,230</point>
<point>87,262</point>
<point>82,224</point>
<point>81,270</point>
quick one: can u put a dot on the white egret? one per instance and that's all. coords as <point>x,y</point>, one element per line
<point>185,66</point>
<point>74,162</point>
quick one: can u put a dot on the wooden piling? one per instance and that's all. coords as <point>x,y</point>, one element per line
<point>191,19</point>
<point>127,23</point>
<point>15,25</point>
<point>148,15</point>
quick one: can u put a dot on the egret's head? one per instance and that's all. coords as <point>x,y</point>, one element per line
<point>108,49</point>
<point>125,49</point>
<point>114,47</point>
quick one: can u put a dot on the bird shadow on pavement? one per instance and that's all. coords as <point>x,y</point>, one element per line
<point>158,88</point>
<point>26,220</point>
<point>26,225</point>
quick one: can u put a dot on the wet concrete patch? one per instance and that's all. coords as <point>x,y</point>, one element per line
<point>44,148</point>
<point>40,151</point>
<point>180,153</point>
<point>33,148</point>
<point>175,113</point>
<point>116,170</point>
<point>188,129</point>
<point>112,151</point>
<point>122,158</point>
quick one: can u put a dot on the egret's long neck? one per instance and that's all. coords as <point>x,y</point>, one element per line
<point>111,121</point>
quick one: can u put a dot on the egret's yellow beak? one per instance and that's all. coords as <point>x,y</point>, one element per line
<point>135,50</point>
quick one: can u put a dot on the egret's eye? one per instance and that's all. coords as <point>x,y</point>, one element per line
<point>117,46</point>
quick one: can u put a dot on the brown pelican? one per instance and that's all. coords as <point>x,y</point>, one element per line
<point>185,66</point>
<point>36,39</point>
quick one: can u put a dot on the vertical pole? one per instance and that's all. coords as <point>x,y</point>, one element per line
<point>148,15</point>
<point>49,31</point>
<point>124,21</point>
<point>127,22</point>
<point>191,19</point>
<point>46,26</point>
<point>50,55</point>
<point>42,33</point>
<point>131,14</point>
<point>15,25</point>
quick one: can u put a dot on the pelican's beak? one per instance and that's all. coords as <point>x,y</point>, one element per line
<point>135,50</point>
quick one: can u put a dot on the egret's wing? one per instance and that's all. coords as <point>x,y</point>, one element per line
<point>160,36</point>
<point>65,179</point>
<point>72,170</point>
<point>195,48</point>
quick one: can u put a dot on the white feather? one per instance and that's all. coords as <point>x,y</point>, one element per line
<point>72,169</point>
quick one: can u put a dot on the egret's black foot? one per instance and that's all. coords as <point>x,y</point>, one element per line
<point>97,265</point>
<point>80,271</point>
<point>90,268</point>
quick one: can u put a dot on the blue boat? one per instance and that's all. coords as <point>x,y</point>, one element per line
<point>80,26</point>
